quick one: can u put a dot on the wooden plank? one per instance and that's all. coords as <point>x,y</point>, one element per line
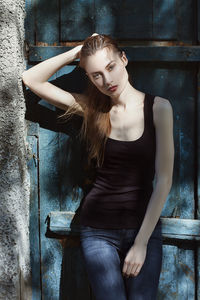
<point>77,19</point>
<point>186,27</point>
<point>177,276</point>
<point>186,274</point>
<point>121,19</point>
<point>70,171</point>
<point>134,53</point>
<point>198,20</point>
<point>198,159</point>
<point>74,282</point>
<point>34,220</point>
<point>47,22</point>
<point>198,142</point>
<point>163,26</point>
<point>198,271</point>
<point>129,19</point>
<point>173,226</point>
<point>30,21</point>
<point>124,19</point>
<point>168,277</point>
<point>162,53</point>
<point>64,222</point>
<point>186,141</point>
<point>32,128</point>
<point>51,250</point>
<point>69,156</point>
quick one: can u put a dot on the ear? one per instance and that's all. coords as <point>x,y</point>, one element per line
<point>124,58</point>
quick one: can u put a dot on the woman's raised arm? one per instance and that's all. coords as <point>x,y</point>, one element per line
<point>36,78</point>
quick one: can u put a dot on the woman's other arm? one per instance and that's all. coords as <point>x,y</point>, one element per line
<point>36,78</point>
<point>163,120</point>
<point>164,162</point>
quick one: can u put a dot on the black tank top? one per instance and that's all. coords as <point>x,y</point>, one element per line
<point>124,183</point>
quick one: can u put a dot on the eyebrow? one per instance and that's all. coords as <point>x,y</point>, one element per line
<point>105,67</point>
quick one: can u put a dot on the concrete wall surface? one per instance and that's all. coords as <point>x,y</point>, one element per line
<point>14,179</point>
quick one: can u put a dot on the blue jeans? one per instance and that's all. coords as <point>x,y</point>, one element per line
<point>104,251</point>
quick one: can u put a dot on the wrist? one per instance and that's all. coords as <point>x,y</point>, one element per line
<point>140,241</point>
<point>70,55</point>
<point>76,51</point>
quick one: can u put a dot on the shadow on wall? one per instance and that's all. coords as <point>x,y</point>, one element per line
<point>71,150</point>
<point>71,154</point>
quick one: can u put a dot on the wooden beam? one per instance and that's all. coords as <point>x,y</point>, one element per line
<point>134,53</point>
<point>33,165</point>
<point>65,223</point>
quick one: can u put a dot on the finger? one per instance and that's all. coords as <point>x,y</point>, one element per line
<point>132,269</point>
<point>129,269</point>
<point>137,270</point>
<point>124,269</point>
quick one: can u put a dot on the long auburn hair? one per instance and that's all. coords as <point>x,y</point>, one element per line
<point>96,125</point>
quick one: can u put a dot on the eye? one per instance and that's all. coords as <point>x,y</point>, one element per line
<point>96,76</point>
<point>110,67</point>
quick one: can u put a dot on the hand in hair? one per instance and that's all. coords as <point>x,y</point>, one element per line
<point>94,34</point>
<point>78,53</point>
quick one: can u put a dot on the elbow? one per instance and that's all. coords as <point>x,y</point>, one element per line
<point>30,80</point>
<point>25,79</point>
<point>164,182</point>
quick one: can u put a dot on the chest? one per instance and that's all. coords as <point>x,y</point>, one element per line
<point>127,125</point>
<point>128,153</point>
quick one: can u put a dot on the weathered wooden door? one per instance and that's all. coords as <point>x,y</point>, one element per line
<point>161,40</point>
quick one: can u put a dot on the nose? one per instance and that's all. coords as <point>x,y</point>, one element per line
<point>107,80</point>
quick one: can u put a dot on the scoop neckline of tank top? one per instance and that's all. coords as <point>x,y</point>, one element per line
<point>109,138</point>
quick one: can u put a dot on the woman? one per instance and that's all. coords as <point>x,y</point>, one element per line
<point>129,136</point>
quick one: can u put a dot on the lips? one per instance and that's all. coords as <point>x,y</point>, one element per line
<point>113,88</point>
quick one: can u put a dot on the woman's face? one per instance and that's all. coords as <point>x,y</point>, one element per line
<point>107,70</point>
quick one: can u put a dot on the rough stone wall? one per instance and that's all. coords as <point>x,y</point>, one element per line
<point>14,180</point>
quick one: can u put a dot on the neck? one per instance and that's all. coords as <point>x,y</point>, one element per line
<point>126,96</point>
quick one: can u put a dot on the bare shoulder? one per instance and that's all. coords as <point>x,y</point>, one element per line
<point>161,104</point>
<point>162,110</point>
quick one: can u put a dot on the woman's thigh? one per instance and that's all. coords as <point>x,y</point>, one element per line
<point>102,263</point>
<point>145,285</point>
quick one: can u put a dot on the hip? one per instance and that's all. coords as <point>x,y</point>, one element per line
<point>120,238</point>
